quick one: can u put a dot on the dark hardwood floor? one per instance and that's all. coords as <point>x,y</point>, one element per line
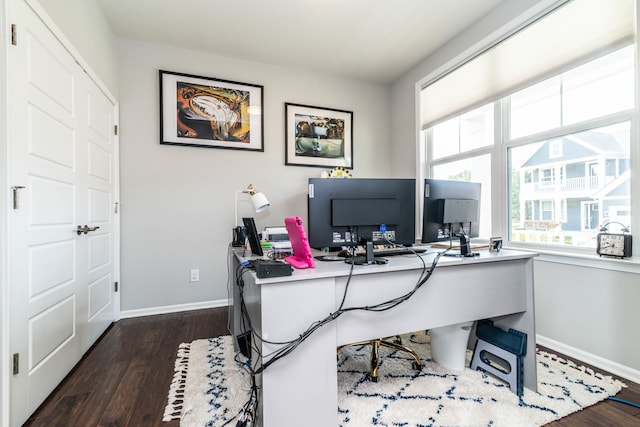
<point>123,380</point>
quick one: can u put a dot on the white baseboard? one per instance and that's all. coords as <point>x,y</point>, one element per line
<point>591,359</point>
<point>173,308</point>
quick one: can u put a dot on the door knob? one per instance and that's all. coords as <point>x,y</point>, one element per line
<point>85,229</point>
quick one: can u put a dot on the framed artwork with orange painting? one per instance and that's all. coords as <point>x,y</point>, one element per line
<point>209,112</point>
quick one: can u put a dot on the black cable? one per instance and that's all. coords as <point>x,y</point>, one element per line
<point>291,345</point>
<point>626,402</point>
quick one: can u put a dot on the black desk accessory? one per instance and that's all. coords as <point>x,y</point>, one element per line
<point>239,236</point>
<point>251,233</point>
<point>266,268</point>
<point>368,259</point>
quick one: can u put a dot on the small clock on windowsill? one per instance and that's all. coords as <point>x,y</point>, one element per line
<point>614,244</point>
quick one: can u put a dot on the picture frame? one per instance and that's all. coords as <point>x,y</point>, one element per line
<point>209,112</point>
<point>318,137</point>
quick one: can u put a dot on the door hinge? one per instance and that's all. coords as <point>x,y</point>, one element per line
<point>115,286</point>
<point>115,130</point>
<point>16,363</point>
<point>14,35</point>
<point>16,189</point>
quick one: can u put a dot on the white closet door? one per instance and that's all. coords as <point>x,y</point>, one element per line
<point>60,145</point>
<point>101,209</point>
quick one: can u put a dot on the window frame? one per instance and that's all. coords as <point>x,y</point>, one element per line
<point>501,188</point>
<point>623,116</point>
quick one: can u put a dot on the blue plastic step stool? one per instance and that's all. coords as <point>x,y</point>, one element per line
<point>499,353</point>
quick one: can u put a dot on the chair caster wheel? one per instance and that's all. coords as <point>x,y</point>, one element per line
<point>416,366</point>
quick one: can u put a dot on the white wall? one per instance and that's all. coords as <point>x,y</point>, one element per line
<point>586,312</point>
<point>590,310</point>
<point>178,202</point>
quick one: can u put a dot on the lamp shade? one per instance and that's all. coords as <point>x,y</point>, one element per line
<point>259,201</point>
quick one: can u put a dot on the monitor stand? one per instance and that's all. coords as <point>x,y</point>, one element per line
<point>465,247</point>
<point>368,258</point>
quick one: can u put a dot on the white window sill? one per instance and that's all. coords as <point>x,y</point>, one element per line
<point>581,258</point>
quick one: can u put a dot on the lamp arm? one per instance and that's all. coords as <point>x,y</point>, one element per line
<point>236,207</point>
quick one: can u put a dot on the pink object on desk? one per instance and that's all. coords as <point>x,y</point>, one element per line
<point>301,257</point>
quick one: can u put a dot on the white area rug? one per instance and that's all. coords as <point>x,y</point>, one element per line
<point>210,386</point>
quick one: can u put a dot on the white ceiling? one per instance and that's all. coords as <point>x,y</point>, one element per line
<point>372,40</point>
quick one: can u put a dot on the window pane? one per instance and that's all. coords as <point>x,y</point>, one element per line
<point>476,169</point>
<point>598,88</point>
<point>536,108</point>
<point>476,128</point>
<point>446,139</point>
<point>601,87</point>
<point>562,200</point>
<point>463,133</point>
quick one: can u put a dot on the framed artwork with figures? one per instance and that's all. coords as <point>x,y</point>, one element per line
<point>318,137</point>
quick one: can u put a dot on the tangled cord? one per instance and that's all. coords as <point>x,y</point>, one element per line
<point>247,414</point>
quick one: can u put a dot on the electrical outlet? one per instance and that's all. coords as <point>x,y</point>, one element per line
<point>194,275</point>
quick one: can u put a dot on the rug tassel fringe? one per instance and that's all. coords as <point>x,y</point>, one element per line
<point>580,368</point>
<point>175,397</point>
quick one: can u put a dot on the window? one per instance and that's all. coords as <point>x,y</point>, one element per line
<point>572,180</point>
<point>464,133</point>
<point>546,178</point>
<point>567,151</point>
<point>555,149</point>
<point>536,108</point>
<point>546,211</point>
<point>595,89</point>
<point>472,169</point>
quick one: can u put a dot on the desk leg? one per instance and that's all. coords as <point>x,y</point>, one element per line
<point>302,388</point>
<point>525,322</point>
<point>234,306</point>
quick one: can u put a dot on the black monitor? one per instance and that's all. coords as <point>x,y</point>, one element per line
<point>252,236</point>
<point>349,211</point>
<point>451,210</point>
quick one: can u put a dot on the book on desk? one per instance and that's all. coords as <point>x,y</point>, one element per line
<point>447,245</point>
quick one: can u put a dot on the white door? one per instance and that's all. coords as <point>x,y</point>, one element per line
<point>100,213</point>
<point>61,150</point>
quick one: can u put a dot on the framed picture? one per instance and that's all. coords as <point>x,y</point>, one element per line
<point>320,137</point>
<point>207,112</point>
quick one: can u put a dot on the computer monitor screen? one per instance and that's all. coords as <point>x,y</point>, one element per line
<point>344,212</point>
<point>450,207</point>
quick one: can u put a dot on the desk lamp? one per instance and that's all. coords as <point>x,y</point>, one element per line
<point>260,203</point>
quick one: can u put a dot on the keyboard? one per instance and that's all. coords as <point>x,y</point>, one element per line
<point>395,251</point>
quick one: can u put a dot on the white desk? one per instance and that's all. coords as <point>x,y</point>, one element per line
<point>301,389</point>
